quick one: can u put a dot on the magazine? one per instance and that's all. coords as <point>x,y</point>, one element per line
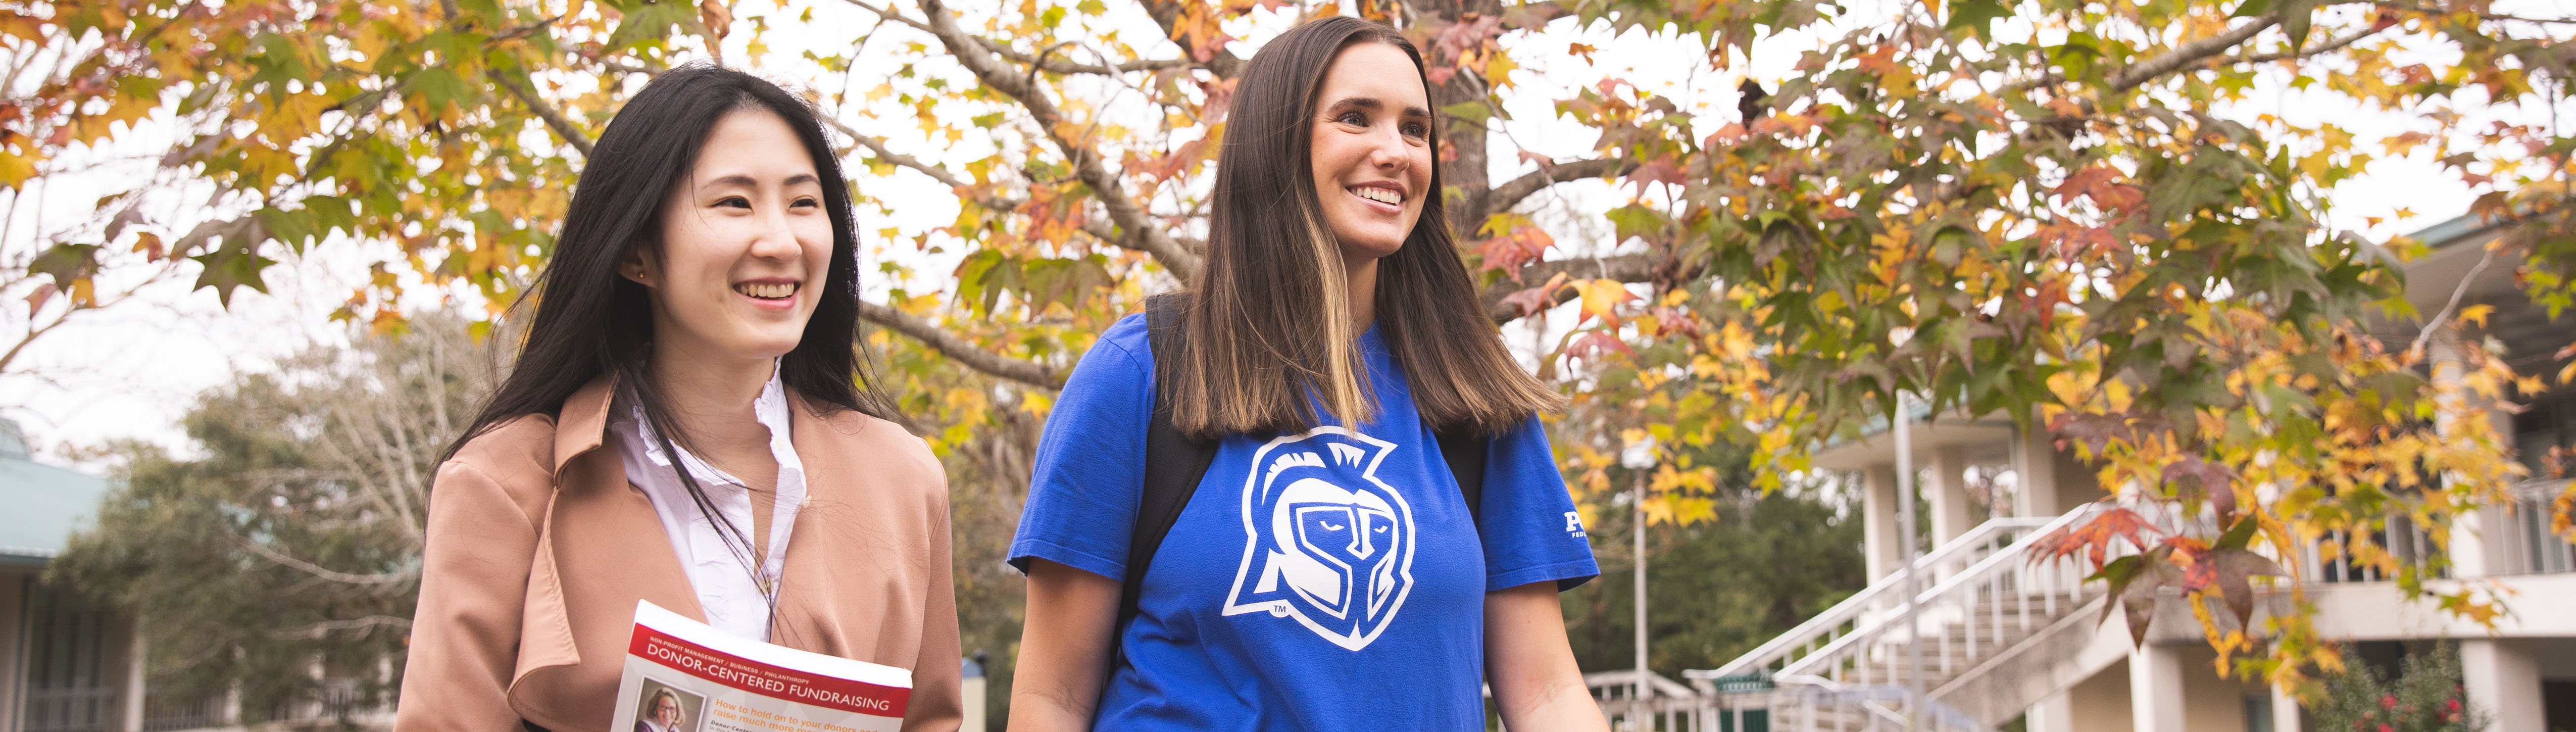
<point>684,676</point>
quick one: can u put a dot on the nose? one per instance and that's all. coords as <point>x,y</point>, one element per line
<point>1388,150</point>
<point>774,237</point>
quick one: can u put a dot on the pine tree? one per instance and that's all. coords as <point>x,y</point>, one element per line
<point>2426,696</point>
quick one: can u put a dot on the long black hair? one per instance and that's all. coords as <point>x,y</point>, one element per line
<point>590,321</point>
<point>1269,320</point>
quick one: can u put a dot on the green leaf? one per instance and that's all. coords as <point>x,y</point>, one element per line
<point>439,87</point>
<point>228,267</point>
<point>65,263</point>
<point>1635,220</point>
<point>2295,17</point>
<point>1469,111</point>
<point>1977,16</point>
<point>2239,535</point>
<point>651,22</point>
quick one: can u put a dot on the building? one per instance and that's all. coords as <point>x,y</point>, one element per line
<point>67,663</point>
<point>1993,639</point>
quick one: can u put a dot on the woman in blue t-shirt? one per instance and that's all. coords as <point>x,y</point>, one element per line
<point>1325,572</point>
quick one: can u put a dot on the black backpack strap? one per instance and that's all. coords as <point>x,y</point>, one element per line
<point>1464,448</point>
<point>1174,465</point>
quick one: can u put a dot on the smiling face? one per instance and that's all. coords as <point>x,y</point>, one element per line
<point>1371,149</point>
<point>745,242</point>
<point>666,711</point>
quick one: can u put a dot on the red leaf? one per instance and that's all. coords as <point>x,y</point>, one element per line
<point>1524,244</point>
<point>36,300</point>
<point>2094,430</point>
<point>2216,481</point>
<point>2101,184</point>
<point>1537,298</point>
<point>2093,537</point>
<point>1661,170</point>
<point>1595,342</point>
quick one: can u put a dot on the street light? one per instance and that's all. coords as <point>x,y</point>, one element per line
<point>1905,522</point>
<point>1639,457</point>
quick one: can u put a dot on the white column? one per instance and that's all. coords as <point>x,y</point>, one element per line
<point>2035,466</point>
<point>1951,515</point>
<point>2482,544</point>
<point>1878,522</point>
<point>2285,710</point>
<point>132,718</point>
<point>2053,713</point>
<point>971,697</point>
<point>2155,689</point>
<point>2502,678</point>
<point>2479,546</point>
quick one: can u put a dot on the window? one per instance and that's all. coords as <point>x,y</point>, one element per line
<point>69,685</point>
<point>2545,425</point>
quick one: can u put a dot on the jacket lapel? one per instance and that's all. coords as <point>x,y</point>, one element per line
<point>601,545</point>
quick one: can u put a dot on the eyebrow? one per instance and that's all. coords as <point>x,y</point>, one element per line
<point>1371,103</point>
<point>747,182</point>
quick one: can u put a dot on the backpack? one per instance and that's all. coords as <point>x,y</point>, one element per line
<point>1176,464</point>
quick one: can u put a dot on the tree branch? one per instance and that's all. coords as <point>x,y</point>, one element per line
<point>2129,77</point>
<point>876,146</point>
<point>2481,16</point>
<point>2327,47</point>
<point>564,128</point>
<point>1167,14</point>
<point>1624,268</point>
<point>318,630</point>
<point>1055,65</point>
<point>957,349</point>
<point>320,573</point>
<point>1509,194</point>
<point>2416,350</point>
<point>1138,228</point>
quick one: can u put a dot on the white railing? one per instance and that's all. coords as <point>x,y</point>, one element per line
<point>1963,562</point>
<point>1794,703</point>
<point>2542,550</point>
<point>79,709</point>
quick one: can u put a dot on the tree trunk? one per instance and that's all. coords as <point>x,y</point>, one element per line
<point>1463,170</point>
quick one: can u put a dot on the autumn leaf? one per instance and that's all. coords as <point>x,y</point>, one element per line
<point>1601,298</point>
<point>2093,538</point>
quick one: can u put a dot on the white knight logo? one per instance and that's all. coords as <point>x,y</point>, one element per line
<point>1325,541</point>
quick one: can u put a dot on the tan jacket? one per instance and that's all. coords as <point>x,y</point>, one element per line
<point>538,549</point>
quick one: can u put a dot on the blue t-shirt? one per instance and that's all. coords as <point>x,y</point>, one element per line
<point>1330,580</point>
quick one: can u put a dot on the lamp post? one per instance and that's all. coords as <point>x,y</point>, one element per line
<point>1639,457</point>
<point>1905,530</point>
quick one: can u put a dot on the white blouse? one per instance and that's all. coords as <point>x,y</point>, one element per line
<point>733,602</point>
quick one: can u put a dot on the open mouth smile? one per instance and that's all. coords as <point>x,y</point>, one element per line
<point>768,290</point>
<point>1379,194</point>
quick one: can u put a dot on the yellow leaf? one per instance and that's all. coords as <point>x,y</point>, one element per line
<point>15,170</point>
<point>2477,314</point>
<point>1601,298</point>
<point>1498,70</point>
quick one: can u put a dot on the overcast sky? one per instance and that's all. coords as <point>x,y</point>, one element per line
<point>132,371</point>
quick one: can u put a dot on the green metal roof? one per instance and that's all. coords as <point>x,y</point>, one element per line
<point>40,504</point>
<point>2452,231</point>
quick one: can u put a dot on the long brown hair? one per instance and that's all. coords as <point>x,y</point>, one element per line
<point>1269,322</point>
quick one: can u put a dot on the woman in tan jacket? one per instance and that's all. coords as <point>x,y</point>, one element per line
<point>701,303</point>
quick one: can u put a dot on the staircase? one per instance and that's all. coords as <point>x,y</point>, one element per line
<point>1990,632</point>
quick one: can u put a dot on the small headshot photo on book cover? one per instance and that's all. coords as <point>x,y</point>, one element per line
<point>667,709</point>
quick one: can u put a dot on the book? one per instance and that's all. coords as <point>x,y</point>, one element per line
<point>685,676</point>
